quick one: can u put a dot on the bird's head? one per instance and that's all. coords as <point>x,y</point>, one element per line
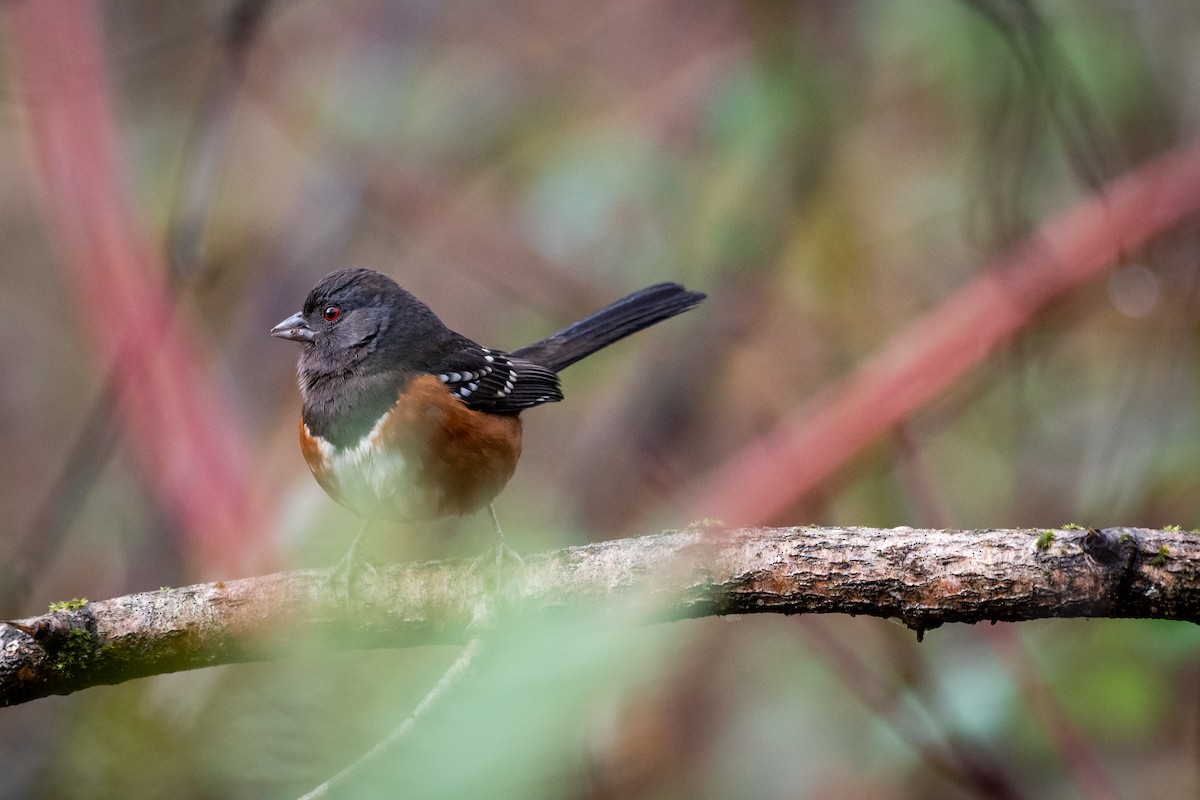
<point>356,317</point>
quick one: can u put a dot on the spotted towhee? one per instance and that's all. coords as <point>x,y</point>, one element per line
<point>405,419</point>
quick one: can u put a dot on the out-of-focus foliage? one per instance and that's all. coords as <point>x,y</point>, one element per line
<point>827,171</point>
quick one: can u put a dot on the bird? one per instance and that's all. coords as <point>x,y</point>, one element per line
<point>403,419</point>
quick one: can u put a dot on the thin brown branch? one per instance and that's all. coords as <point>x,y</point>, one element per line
<point>922,577</point>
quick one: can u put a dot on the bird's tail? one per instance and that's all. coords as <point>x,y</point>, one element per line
<point>610,324</point>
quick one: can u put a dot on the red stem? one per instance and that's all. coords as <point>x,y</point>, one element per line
<point>181,425</point>
<point>771,474</point>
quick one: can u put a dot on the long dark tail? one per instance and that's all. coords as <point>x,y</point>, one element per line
<point>611,323</point>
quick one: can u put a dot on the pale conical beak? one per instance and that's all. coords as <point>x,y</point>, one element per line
<point>294,328</point>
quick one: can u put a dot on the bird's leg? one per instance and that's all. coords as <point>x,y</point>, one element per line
<point>498,553</point>
<point>342,575</point>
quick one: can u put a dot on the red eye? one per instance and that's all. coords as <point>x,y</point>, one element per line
<point>332,313</point>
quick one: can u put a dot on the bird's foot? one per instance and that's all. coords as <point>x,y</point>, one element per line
<point>501,564</point>
<point>342,577</point>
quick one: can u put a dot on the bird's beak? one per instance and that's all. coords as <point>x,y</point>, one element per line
<point>294,328</point>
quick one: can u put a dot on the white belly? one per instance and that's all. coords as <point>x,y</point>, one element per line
<point>374,483</point>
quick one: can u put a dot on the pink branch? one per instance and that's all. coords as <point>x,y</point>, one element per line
<point>768,476</point>
<point>183,428</point>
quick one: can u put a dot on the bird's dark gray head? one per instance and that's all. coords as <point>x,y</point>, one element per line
<point>356,316</point>
<point>363,337</point>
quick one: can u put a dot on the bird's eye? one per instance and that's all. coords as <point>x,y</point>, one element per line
<point>332,313</point>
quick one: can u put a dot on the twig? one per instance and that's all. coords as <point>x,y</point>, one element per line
<point>450,677</point>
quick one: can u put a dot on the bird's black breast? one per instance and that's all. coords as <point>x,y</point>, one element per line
<point>342,409</point>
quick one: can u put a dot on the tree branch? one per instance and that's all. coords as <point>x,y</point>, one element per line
<point>922,577</point>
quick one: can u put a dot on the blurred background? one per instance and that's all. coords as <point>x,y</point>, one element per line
<point>176,176</point>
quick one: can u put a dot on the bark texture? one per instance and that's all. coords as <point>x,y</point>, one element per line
<point>922,577</point>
